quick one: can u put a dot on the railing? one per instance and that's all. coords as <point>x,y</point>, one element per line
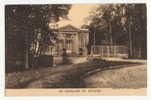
<point>110,51</point>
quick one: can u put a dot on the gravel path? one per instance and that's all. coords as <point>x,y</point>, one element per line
<point>64,76</point>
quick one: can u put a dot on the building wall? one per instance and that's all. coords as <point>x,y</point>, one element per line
<point>71,39</point>
<point>84,39</point>
<point>78,40</point>
<point>76,44</point>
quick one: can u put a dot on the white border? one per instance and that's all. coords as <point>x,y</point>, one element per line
<point>2,48</point>
<point>148,45</point>
<point>69,1</point>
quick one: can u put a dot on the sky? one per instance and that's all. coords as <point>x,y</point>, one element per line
<point>77,15</point>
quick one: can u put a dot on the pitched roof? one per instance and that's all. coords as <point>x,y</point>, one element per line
<point>68,28</point>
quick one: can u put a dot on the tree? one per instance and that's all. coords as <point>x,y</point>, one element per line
<point>125,24</point>
<point>27,28</point>
<point>137,29</point>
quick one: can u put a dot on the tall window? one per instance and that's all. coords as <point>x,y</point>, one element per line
<point>69,35</point>
<point>69,44</point>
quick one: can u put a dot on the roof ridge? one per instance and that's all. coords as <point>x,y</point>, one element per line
<point>69,25</point>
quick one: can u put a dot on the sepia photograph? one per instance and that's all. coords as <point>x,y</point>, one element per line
<point>76,48</point>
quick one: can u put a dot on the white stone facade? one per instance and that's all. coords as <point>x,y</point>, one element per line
<point>72,39</point>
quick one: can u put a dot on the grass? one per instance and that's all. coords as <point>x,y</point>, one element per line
<point>63,76</point>
<point>130,77</point>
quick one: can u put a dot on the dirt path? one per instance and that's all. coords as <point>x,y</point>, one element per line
<point>72,76</point>
<point>67,76</point>
<point>52,77</point>
<point>128,77</point>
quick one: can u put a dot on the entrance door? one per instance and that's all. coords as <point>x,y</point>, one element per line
<point>69,46</point>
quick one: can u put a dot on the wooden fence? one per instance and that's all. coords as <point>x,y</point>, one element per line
<point>110,51</point>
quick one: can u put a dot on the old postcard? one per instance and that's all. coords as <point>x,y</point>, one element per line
<point>76,49</point>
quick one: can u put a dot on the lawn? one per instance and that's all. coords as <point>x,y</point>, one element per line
<point>62,76</point>
<point>128,77</point>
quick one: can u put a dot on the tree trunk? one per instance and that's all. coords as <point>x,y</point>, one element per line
<point>110,34</point>
<point>94,42</point>
<point>130,39</point>
<point>26,53</point>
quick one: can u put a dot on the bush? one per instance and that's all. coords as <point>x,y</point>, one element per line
<point>45,60</point>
